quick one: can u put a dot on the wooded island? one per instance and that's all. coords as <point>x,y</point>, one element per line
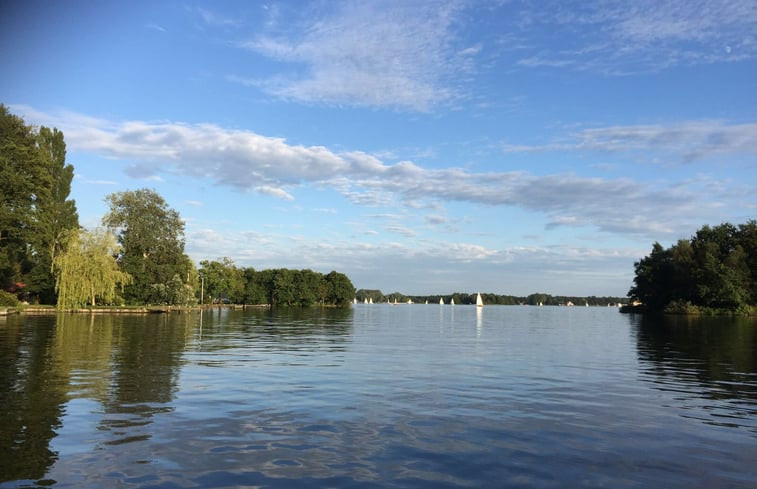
<point>713,272</point>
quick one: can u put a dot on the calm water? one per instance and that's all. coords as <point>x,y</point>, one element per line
<point>378,396</point>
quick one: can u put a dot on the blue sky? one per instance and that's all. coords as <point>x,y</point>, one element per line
<point>422,147</point>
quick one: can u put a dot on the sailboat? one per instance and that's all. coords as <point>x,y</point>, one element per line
<point>441,301</point>
<point>479,301</point>
<point>452,302</point>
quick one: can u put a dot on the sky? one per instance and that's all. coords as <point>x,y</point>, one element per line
<point>423,147</point>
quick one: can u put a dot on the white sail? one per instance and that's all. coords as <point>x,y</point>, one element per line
<point>441,301</point>
<point>479,301</point>
<point>452,302</point>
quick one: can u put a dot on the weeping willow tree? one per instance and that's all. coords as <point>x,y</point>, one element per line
<point>87,271</point>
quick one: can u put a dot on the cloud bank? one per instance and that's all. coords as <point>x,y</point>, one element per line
<point>247,161</point>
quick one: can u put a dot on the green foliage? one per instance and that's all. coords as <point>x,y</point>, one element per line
<point>85,270</point>
<point>151,235</point>
<point>340,290</point>
<point>372,294</point>
<point>7,299</point>
<point>221,280</point>
<point>715,270</point>
<point>35,182</point>
<point>19,170</point>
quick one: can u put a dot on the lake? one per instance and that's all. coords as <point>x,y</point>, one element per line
<point>378,396</point>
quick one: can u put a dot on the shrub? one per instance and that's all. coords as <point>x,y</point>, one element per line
<point>7,299</point>
<point>681,307</point>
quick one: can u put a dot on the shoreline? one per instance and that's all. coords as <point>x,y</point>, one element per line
<point>41,310</point>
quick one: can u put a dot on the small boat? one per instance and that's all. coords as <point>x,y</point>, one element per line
<point>452,302</point>
<point>479,301</point>
<point>441,301</point>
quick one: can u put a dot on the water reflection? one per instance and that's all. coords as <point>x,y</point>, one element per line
<point>285,329</point>
<point>126,364</point>
<point>379,396</point>
<point>145,360</point>
<point>32,395</point>
<point>701,358</point>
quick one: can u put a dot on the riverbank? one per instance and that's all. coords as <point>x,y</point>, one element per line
<point>688,309</point>
<point>37,310</point>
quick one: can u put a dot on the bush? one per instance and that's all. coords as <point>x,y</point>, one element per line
<point>7,299</point>
<point>681,307</point>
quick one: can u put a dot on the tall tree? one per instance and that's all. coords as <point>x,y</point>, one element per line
<point>151,235</point>
<point>35,212</point>
<point>54,213</point>
<point>19,172</point>
<point>86,271</point>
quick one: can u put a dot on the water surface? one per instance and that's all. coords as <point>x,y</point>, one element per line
<point>378,396</point>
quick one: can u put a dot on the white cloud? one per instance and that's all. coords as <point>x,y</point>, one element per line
<point>689,141</point>
<point>395,54</point>
<point>248,161</point>
<point>430,267</point>
<point>83,179</point>
<point>155,27</point>
<point>617,37</point>
<point>274,192</point>
<point>212,18</point>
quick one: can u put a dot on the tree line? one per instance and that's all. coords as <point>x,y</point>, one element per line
<point>714,270</point>
<point>222,281</point>
<point>136,258</point>
<point>489,298</point>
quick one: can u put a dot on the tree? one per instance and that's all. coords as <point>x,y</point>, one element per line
<point>222,280</point>
<point>714,269</point>
<point>54,214</point>
<point>35,212</point>
<point>340,289</point>
<point>255,288</point>
<point>747,238</point>
<point>653,278</point>
<point>151,235</point>
<point>86,270</point>
<point>19,172</point>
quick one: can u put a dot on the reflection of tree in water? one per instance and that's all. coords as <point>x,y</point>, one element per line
<point>716,355</point>
<point>279,328</point>
<point>146,358</point>
<point>32,395</point>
